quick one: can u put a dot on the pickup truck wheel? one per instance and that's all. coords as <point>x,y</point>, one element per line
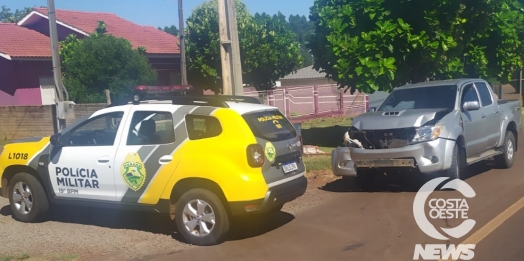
<point>27,198</point>
<point>201,218</point>
<point>505,160</point>
<point>457,170</point>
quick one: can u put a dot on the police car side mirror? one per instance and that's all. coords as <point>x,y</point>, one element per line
<point>56,139</point>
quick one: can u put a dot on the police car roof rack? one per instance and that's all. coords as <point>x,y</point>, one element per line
<point>180,95</point>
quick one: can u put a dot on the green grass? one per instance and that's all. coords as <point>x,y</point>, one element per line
<point>317,163</point>
<point>14,257</point>
<point>326,122</point>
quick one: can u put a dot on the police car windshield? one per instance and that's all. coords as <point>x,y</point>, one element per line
<point>270,125</point>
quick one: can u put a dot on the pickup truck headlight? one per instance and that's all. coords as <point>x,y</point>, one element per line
<point>428,133</point>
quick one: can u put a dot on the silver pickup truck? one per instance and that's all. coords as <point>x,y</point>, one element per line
<point>435,127</point>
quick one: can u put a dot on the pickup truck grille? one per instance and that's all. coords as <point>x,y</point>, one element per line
<point>384,139</point>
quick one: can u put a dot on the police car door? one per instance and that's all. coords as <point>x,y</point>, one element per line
<point>147,146</point>
<point>83,166</point>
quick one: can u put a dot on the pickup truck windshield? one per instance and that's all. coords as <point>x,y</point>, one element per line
<point>435,97</point>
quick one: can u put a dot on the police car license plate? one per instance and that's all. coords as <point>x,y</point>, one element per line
<point>289,167</point>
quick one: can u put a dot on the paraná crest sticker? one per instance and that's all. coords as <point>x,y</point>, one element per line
<point>133,171</point>
<point>270,152</point>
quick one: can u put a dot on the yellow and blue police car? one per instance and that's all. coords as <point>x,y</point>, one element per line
<point>201,159</point>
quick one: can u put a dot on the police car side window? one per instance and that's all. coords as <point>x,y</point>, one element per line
<point>150,128</point>
<point>98,131</point>
<point>202,127</point>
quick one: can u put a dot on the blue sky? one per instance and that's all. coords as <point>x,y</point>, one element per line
<point>160,12</point>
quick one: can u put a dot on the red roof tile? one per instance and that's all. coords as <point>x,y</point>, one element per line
<point>155,41</point>
<point>17,41</point>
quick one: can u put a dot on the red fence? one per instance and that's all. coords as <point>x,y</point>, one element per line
<point>306,102</point>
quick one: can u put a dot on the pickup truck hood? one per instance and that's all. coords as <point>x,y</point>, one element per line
<point>382,120</point>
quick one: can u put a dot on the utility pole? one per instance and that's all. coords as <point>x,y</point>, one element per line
<point>57,72</point>
<point>183,72</point>
<point>229,49</point>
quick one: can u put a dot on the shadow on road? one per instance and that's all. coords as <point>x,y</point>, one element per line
<point>241,228</point>
<point>402,182</point>
<point>253,226</point>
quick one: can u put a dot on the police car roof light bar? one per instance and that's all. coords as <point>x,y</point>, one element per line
<point>164,89</point>
<point>141,92</point>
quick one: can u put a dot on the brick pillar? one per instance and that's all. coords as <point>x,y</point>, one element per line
<point>271,97</point>
<point>341,103</point>
<point>315,99</point>
<point>367,103</point>
<point>287,103</point>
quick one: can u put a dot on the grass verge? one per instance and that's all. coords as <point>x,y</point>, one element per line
<point>317,163</point>
<point>14,257</point>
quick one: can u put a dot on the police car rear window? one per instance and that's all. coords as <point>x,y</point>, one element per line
<point>270,125</point>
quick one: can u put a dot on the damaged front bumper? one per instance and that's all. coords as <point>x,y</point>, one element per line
<point>428,157</point>
<point>341,163</point>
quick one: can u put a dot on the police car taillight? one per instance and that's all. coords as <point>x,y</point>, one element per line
<point>255,155</point>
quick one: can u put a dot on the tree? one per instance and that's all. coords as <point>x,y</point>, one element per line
<point>377,44</point>
<point>273,52</point>
<point>99,62</point>
<point>171,30</point>
<point>303,29</point>
<point>267,48</point>
<point>6,16</point>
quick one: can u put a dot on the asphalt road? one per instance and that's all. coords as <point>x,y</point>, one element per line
<point>380,225</point>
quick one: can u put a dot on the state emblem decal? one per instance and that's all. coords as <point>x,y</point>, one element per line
<point>270,152</point>
<point>133,171</point>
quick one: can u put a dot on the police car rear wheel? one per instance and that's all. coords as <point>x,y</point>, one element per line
<point>27,198</point>
<point>201,218</point>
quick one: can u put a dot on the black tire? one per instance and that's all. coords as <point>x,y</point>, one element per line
<point>40,204</point>
<point>221,226</point>
<point>506,159</point>
<point>458,167</point>
<point>366,179</point>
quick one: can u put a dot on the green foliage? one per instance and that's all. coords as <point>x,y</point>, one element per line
<point>99,62</point>
<point>267,48</point>
<point>274,53</point>
<point>6,16</point>
<point>171,30</point>
<point>376,44</point>
<point>302,28</point>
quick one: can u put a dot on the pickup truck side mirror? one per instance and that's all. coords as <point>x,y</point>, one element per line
<point>56,140</point>
<point>372,109</point>
<point>471,106</point>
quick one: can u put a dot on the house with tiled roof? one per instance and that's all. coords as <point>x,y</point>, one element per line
<point>305,76</point>
<point>26,76</point>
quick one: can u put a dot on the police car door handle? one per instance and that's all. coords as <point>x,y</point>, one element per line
<point>103,160</point>
<point>165,159</point>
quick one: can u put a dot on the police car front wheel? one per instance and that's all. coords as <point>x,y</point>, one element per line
<point>27,198</point>
<point>201,218</point>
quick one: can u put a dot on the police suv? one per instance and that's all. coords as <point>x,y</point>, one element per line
<point>200,159</point>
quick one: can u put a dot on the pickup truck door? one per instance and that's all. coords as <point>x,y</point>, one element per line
<point>145,156</point>
<point>491,115</point>
<point>83,166</point>
<point>473,122</point>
